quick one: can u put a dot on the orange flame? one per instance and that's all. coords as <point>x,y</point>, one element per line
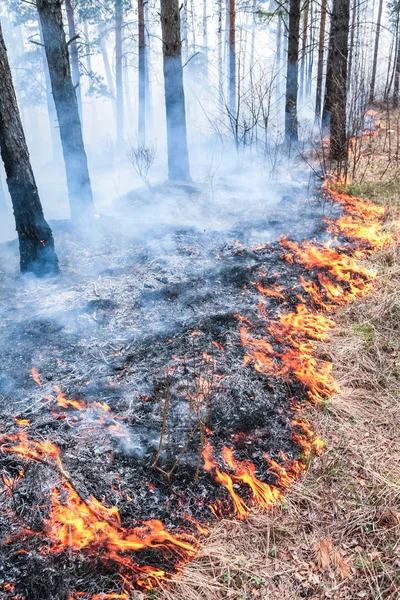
<point>36,377</point>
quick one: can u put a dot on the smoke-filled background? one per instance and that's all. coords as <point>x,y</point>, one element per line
<point>219,145</point>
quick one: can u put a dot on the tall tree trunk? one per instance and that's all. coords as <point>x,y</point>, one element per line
<point>178,155</point>
<point>320,68</point>
<point>220,63</point>
<point>147,68</point>
<point>354,23</point>
<point>107,68</point>
<point>205,37</point>
<point>334,114</point>
<point>142,73</point>
<point>36,244</point>
<point>232,63</point>
<point>253,38</point>
<point>304,49</point>
<point>89,69</point>
<point>51,108</point>
<point>310,63</point>
<point>278,56</point>
<point>396,76</point>
<point>193,19</point>
<point>376,49</point>
<point>74,55</point>
<point>392,60</point>
<point>184,28</point>
<point>291,124</point>
<point>118,74</point>
<point>76,166</point>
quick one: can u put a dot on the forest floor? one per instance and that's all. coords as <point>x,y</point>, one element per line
<point>337,535</point>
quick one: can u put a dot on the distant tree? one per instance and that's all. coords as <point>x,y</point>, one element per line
<point>142,72</point>
<point>320,68</point>
<point>118,17</point>
<point>78,180</point>
<point>376,50</point>
<point>291,123</point>
<point>232,63</point>
<point>178,156</point>
<point>304,48</point>
<point>335,103</point>
<point>36,244</point>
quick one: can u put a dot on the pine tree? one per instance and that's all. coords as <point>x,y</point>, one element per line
<point>36,244</point>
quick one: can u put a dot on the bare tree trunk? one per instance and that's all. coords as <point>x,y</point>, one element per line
<point>205,36</point>
<point>291,124</point>
<point>232,61</point>
<point>376,49</point>
<point>178,156</point>
<point>253,38</point>
<point>142,73</point>
<point>89,69</point>
<point>193,19</point>
<point>78,180</point>
<point>396,77</point>
<point>74,55</point>
<point>107,68</point>
<point>278,56</point>
<point>392,60</point>
<point>334,115</point>
<point>304,49</point>
<point>36,244</point>
<point>147,68</point>
<point>185,32</point>
<point>118,74</point>
<point>220,63</point>
<point>352,37</point>
<point>310,64</point>
<point>51,108</point>
<point>320,70</point>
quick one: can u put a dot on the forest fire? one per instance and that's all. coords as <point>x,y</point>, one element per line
<point>234,470</point>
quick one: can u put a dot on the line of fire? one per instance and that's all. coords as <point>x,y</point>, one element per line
<point>113,479</point>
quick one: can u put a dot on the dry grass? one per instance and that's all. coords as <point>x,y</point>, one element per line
<point>338,535</point>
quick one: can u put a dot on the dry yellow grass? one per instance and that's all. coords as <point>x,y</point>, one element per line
<point>338,535</point>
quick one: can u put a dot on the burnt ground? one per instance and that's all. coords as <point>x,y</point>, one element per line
<point>127,324</point>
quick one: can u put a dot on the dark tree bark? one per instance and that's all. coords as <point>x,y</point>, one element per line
<point>178,156</point>
<point>291,124</point>
<point>78,180</point>
<point>320,68</point>
<point>232,60</point>
<point>36,244</point>
<point>142,73</point>
<point>74,54</point>
<point>118,73</point>
<point>334,114</point>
